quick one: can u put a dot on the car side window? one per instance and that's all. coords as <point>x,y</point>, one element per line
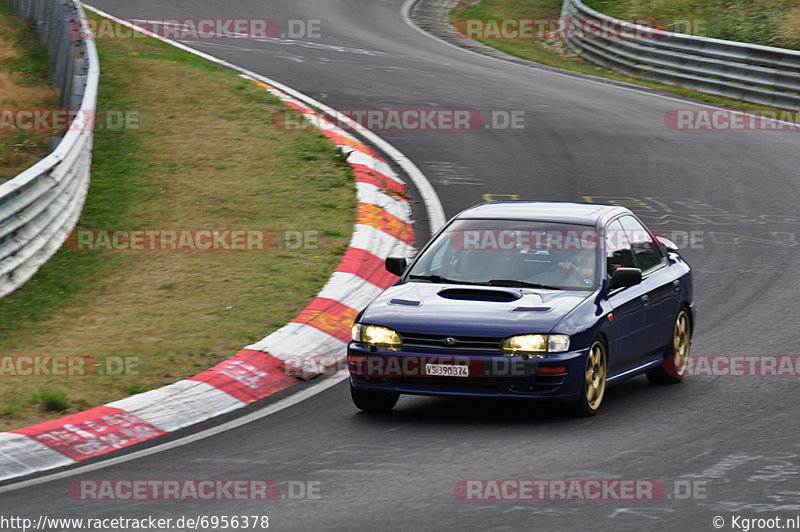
<point>619,253</point>
<point>645,250</point>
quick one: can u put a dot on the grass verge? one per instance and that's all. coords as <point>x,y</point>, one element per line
<point>200,151</point>
<point>765,22</point>
<point>25,83</point>
<point>553,52</point>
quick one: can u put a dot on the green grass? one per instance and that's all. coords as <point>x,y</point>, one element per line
<point>52,400</point>
<point>33,61</point>
<point>553,52</point>
<point>26,83</point>
<point>207,156</point>
<point>765,22</point>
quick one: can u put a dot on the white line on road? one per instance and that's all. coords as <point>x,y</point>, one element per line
<point>212,431</point>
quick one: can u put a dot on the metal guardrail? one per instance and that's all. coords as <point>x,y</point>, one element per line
<point>40,206</point>
<point>760,74</point>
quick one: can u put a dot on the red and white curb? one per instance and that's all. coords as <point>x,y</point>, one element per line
<point>383,227</point>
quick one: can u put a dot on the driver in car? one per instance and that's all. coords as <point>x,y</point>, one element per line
<point>562,268</point>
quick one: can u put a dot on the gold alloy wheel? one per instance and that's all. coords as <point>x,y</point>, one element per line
<point>596,375</point>
<point>681,341</point>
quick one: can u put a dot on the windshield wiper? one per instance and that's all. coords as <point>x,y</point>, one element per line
<point>440,279</point>
<point>522,284</point>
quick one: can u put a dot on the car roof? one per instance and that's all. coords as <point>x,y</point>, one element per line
<point>545,211</point>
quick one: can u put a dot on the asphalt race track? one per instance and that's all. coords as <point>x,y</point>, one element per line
<point>735,438</point>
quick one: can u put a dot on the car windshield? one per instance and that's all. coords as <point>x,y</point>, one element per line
<point>514,253</point>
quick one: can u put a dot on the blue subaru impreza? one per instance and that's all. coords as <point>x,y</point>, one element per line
<point>524,299</point>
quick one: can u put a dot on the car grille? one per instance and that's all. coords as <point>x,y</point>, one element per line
<point>462,343</point>
<point>450,383</point>
<point>534,383</point>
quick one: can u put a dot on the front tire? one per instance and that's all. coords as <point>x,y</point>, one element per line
<point>594,381</point>
<point>677,359</point>
<point>372,400</point>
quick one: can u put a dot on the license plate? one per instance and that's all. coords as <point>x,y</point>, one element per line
<point>446,370</point>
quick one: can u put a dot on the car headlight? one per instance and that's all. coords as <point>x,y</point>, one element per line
<point>536,343</point>
<point>375,335</point>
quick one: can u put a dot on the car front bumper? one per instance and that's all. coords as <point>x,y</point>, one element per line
<point>490,374</point>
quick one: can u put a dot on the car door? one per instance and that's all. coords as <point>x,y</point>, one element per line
<point>662,297</point>
<point>627,333</point>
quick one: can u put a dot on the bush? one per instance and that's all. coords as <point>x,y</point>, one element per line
<point>53,400</point>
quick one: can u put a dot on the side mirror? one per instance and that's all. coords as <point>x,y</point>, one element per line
<point>396,265</point>
<point>625,277</point>
<point>669,244</point>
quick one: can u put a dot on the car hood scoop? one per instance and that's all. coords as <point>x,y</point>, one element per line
<point>406,302</point>
<point>480,294</point>
<point>432,308</point>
